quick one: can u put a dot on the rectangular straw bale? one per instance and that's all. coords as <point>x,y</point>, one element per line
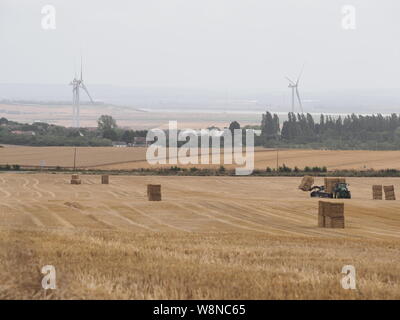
<point>334,222</point>
<point>377,192</point>
<point>104,179</point>
<point>333,209</point>
<point>331,182</point>
<point>389,193</point>
<point>388,188</point>
<point>321,220</point>
<point>330,214</point>
<point>306,183</point>
<point>321,207</point>
<point>154,192</point>
<point>76,181</point>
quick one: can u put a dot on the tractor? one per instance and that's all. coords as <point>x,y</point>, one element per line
<point>340,191</point>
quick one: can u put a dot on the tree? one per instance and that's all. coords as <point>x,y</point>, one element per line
<point>107,126</point>
<point>110,134</point>
<point>276,124</point>
<point>267,125</point>
<point>3,121</point>
<point>128,136</point>
<point>234,125</point>
<point>270,128</point>
<point>106,123</point>
<point>397,134</point>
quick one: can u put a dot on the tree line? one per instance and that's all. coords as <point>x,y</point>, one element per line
<point>369,132</point>
<point>341,132</point>
<point>44,134</point>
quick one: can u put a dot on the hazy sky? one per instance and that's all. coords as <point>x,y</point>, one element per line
<point>216,44</point>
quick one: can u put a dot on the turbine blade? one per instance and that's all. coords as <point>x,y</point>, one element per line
<point>75,69</point>
<point>81,68</point>
<point>290,80</point>
<point>87,92</point>
<point>300,74</point>
<point>298,98</point>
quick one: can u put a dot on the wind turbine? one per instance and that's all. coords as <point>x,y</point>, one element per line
<point>295,90</point>
<point>78,84</point>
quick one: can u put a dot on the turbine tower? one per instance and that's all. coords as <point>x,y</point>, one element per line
<point>78,84</point>
<point>294,85</point>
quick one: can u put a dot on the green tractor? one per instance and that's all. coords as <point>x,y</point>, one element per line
<point>341,191</point>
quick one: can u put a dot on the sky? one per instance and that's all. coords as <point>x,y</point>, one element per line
<point>235,45</point>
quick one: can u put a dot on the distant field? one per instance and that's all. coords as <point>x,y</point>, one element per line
<point>130,158</point>
<point>64,156</point>
<point>133,118</point>
<point>210,237</point>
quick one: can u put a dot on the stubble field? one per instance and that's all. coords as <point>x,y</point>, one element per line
<point>112,158</point>
<point>210,237</point>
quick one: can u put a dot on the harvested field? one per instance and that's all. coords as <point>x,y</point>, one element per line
<point>131,158</point>
<point>210,237</point>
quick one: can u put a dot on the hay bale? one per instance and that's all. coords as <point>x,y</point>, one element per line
<point>104,179</point>
<point>331,209</point>
<point>76,181</point>
<point>321,217</point>
<point>321,221</point>
<point>334,222</point>
<point>330,183</point>
<point>330,214</point>
<point>306,183</point>
<point>154,192</point>
<point>389,193</point>
<point>388,188</point>
<point>377,192</point>
<point>334,210</point>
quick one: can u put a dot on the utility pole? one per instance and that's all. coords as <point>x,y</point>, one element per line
<point>74,159</point>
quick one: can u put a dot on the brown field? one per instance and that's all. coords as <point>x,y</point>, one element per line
<point>210,237</point>
<point>131,158</point>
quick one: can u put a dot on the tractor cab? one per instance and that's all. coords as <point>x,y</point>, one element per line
<point>341,191</point>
